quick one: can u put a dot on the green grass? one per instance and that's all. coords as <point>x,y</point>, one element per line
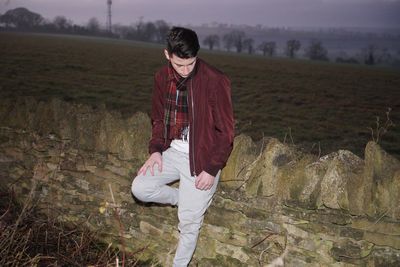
<point>322,103</point>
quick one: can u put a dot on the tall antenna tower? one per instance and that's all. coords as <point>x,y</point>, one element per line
<point>109,24</point>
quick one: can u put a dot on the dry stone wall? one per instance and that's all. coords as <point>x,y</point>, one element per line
<point>275,206</point>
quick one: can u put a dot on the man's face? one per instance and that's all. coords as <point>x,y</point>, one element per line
<point>183,66</point>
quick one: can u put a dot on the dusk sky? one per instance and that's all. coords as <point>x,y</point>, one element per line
<point>291,13</point>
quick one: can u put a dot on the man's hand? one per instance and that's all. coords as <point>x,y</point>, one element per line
<point>154,158</point>
<point>204,181</point>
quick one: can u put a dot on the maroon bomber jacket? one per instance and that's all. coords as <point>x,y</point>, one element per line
<point>210,118</point>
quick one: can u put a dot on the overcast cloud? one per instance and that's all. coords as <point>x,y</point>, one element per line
<point>297,13</point>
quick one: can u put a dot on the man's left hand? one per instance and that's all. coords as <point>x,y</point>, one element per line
<point>204,181</point>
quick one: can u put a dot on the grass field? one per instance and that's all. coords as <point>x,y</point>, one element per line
<point>319,104</point>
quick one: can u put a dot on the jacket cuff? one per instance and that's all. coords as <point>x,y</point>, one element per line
<point>212,170</point>
<point>155,148</point>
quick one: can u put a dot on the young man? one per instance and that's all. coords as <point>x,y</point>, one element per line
<point>192,137</point>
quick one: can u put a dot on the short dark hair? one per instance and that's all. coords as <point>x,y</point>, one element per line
<point>182,42</point>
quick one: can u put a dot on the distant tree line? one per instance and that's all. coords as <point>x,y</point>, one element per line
<point>237,41</point>
<point>21,19</point>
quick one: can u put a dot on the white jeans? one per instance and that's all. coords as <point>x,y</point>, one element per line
<point>192,202</point>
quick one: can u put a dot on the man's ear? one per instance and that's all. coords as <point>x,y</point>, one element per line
<point>166,54</point>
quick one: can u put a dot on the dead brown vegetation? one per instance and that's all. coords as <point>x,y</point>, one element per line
<point>29,238</point>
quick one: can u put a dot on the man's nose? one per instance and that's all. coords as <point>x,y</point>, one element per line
<point>186,70</point>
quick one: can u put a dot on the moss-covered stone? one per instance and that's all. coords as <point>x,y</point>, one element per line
<point>242,155</point>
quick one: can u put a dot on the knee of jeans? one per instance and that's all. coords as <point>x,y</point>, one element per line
<point>138,189</point>
<point>189,222</point>
<point>187,226</point>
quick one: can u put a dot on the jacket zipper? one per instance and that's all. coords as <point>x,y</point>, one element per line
<point>192,130</point>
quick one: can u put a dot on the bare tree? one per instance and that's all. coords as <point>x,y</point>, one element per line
<point>138,34</point>
<point>162,30</point>
<point>122,31</point>
<point>211,41</point>
<point>292,46</point>
<point>150,32</point>
<point>61,23</point>
<point>93,25</point>
<point>146,31</point>
<point>267,48</point>
<point>248,44</point>
<point>228,41</point>
<point>234,39</point>
<point>316,51</point>
<point>238,37</point>
<point>370,54</point>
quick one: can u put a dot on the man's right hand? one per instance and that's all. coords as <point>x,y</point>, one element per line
<point>154,158</point>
